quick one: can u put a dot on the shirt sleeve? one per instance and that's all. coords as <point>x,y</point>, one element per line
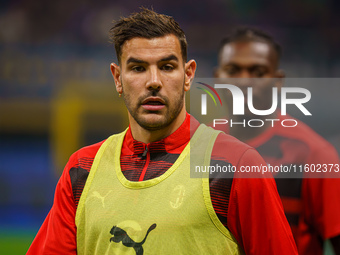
<point>321,195</point>
<point>57,235</point>
<point>255,214</point>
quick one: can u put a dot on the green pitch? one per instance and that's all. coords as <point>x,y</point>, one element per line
<point>15,244</point>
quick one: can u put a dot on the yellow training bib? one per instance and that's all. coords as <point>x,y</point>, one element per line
<point>170,214</point>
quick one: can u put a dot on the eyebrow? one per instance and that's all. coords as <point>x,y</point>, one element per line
<point>139,61</point>
<point>248,66</point>
<point>134,60</point>
<point>171,57</point>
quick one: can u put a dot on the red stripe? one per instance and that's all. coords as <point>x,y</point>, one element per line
<point>141,178</point>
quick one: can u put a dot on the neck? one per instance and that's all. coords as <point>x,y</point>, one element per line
<point>148,136</point>
<point>246,133</point>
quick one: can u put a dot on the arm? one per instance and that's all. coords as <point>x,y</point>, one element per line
<point>255,215</point>
<point>57,234</point>
<point>322,209</point>
<point>321,196</point>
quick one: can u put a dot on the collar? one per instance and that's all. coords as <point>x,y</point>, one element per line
<point>174,143</point>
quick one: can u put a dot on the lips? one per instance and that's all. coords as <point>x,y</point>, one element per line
<point>153,103</point>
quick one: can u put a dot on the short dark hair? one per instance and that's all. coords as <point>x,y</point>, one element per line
<point>146,24</point>
<point>250,34</point>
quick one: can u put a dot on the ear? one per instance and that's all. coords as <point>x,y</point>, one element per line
<point>116,73</point>
<point>280,73</point>
<point>190,69</point>
<point>216,72</point>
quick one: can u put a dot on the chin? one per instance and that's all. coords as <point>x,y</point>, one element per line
<point>153,123</point>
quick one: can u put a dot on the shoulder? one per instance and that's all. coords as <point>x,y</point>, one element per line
<point>230,143</point>
<point>316,148</point>
<point>78,168</point>
<point>303,133</point>
<point>84,156</point>
<point>300,142</point>
<point>230,148</point>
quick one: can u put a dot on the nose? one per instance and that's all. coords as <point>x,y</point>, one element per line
<point>154,80</point>
<point>244,80</point>
<point>244,73</point>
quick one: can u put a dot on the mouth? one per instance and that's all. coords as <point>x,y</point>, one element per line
<point>153,103</point>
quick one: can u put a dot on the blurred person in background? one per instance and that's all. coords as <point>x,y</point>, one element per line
<point>312,205</point>
<point>133,191</point>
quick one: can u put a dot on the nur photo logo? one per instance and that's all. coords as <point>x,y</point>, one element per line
<point>242,103</point>
<point>204,97</point>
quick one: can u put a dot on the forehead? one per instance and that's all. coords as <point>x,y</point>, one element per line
<point>151,49</point>
<point>247,53</point>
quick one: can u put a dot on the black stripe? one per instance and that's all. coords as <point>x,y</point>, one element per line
<point>293,218</point>
<point>289,187</point>
<point>78,179</point>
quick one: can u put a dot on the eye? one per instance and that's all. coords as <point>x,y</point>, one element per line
<point>138,69</point>
<point>258,72</point>
<point>231,70</point>
<point>167,67</point>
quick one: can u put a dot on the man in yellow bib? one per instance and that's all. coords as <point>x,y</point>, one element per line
<point>132,193</point>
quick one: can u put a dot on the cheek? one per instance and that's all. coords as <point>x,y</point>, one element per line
<point>222,74</point>
<point>130,84</point>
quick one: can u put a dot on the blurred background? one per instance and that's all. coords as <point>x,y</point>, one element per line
<point>57,93</point>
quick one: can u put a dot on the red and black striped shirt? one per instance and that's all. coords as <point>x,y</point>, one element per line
<point>249,208</point>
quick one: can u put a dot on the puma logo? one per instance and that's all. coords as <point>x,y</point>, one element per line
<point>100,197</point>
<point>120,235</point>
